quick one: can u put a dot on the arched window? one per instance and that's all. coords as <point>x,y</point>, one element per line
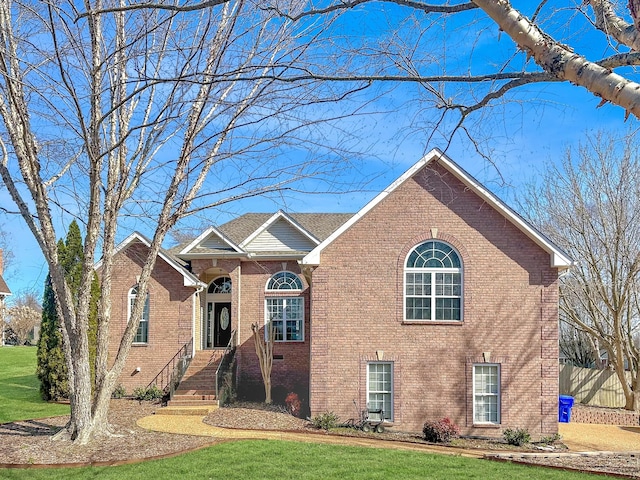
<point>284,281</point>
<point>142,335</point>
<point>433,283</point>
<point>220,285</point>
<point>286,313</point>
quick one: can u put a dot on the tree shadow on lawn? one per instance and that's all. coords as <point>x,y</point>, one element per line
<point>29,428</point>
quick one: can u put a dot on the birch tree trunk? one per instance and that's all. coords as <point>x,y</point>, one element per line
<point>121,117</point>
<point>263,343</point>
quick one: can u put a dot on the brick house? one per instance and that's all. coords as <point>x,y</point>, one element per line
<point>435,299</point>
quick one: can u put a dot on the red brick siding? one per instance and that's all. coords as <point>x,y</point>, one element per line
<point>170,313</point>
<point>510,310</point>
<point>291,373</point>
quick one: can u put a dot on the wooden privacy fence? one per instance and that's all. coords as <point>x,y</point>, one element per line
<point>592,387</point>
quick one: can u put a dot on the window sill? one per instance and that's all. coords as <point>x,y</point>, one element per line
<point>433,322</point>
<point>493,426</point>
<point>140,344</point>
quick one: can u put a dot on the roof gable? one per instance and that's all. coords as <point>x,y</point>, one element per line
<point>559,259</point>
<point>190,280</point>
<point>280,233</point>
<point>210,241</point>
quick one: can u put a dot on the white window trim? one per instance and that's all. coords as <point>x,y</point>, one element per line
<point>432,271</point>
<point>498,394</point>
<point>284,325</point>
<point>219,293</point>
<point>267,289</point>
<point>391,393</point>
<point>130,297</point>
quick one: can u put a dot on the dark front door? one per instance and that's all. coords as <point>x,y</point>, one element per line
<point>222,324</point>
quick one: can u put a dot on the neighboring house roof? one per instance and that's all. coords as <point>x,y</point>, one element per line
<point>4,288</point>
<point>190,280</point>
<point>265,235</point>
<point>559,259</point>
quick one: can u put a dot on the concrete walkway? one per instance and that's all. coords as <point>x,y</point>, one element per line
<point>578,437</point>
<point>193,425</point>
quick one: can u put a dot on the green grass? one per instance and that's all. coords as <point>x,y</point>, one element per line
<point>19,387</point>
<point>271,459</point>
<point>249,459</point>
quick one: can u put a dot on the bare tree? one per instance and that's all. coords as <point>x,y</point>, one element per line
<point>148,115</point>
<point>578,347</point>
<point>263,342</point>
<point>23,316</point>
<point>590,205</point>
<point>484,49</point>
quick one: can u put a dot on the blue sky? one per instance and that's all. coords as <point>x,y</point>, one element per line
<point>537,127</point>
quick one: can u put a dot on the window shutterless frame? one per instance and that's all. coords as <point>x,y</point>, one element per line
<point>142,335</point>
<point>433,283</point>
<point>486,393</point>
<point>380,388</point>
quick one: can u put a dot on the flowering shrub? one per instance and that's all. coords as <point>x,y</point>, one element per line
<point>293,404</point>
<point>441,431</point>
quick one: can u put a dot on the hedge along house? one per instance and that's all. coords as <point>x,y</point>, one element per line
<point>435,300</point>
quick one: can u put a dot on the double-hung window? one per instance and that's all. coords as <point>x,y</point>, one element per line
<point>380,390</point>
<point>285,312</point>
<point>433,283</point>
<point>486,393</point>
<point>142,335</point>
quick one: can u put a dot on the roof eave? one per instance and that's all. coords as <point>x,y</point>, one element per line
<point>271,256</point>
<point>194,256</point>
<point>559,259</point>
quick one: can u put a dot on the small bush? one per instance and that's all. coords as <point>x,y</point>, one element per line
<point>293,404</point>
<point>516,436</point>
<point>147,393</point>
<point>550,440</point>
<point>119,392</point>
<point>325,420</point>
<point>441,431</point>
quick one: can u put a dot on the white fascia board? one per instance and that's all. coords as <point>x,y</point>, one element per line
<point>313,257</point>
<point>190,256</point>
<point>206,234</point>
<point>559,259</point>
<point>189,280</point>
<point>299,227</point>
<point>273,219</point>
<point>134,237</point>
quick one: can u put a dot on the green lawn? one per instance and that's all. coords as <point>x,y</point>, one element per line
<point>249,459</point>
<point>270,459</point>
<point>19,387</point>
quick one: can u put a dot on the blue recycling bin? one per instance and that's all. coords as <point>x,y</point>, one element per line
<point>565,402</point>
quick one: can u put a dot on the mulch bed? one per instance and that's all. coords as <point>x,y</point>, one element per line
<point>28,443</point>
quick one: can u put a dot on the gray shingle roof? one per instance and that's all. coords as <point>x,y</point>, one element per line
<point>320,225</point>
